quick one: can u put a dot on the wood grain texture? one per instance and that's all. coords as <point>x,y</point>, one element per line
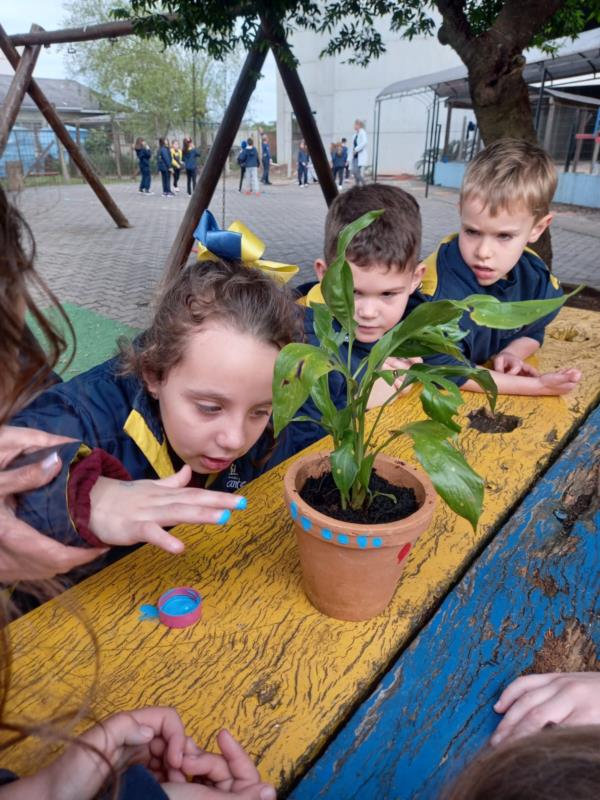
<point>530,604</point>
<point>262,661</point>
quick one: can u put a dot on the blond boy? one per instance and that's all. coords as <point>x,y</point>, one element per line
<point>504,207</point>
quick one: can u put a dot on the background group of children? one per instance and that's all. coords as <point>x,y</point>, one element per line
<point>249,162</point>
<point>341,159</point>
<point>164,432</point>
<point>171,160</point>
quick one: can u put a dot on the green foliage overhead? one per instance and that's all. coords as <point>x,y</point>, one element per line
<point>302,371</point>
<point>141,76</point>
<point>353,26</point>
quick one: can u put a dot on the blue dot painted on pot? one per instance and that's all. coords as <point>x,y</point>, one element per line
<point>327,534</point>
<point>306,523</point>
<point>376,542</point>
<point>362,541</point>
<point>343,539</point>
<point>294,510</point>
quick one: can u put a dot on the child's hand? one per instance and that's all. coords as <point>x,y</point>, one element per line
<point>232,774</point>
<point>511,364</point>
<point>533,701</point>
<point>129,512</point>
<point>400,363</point>
<point>382,390</point>
<point>559,382</point>
<point>153,737</point>
<point>26,554</point>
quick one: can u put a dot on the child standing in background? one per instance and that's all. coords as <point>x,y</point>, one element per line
<point>338,162</point>
<point>302,164</point>
<point>241,160</point>
<point>266,160</point>
<point>176,163</point>
<point>144,155</point>
<point>163,159</point>
<point>252,163</point>
<point>190,155</point>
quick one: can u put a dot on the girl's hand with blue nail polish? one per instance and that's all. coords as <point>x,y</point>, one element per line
<point>130,512</point>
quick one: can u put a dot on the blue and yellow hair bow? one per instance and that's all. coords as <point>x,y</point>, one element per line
<point>237,243</point>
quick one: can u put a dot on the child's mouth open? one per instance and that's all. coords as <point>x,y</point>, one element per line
<point>215,464</point>
<point>482,273</point>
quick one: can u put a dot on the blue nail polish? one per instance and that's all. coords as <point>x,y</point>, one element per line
<point>224,518</point>
<point>241,504</point>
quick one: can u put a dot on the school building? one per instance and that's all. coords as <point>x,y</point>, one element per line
<point>415,103</point>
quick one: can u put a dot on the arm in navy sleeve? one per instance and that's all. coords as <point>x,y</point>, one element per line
<point>46,509</point>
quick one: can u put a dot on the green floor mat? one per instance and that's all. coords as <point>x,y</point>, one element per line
<point>96,338</point>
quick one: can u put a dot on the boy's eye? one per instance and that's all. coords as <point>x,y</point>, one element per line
<point>390,294</point>
<point>505,237</point>
<point>262,412</point>
<point>471,232</point>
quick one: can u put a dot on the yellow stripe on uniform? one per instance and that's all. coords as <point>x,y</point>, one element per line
<point>430,279</point>
<point>156,453</point>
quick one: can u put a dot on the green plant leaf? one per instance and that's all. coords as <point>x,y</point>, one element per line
<point>297,369</point>
<point>491,312</point>
<point>454,480</point>
<point>442,406</point>
<point>323,327</point>
<point>344,468</point>
<point>337,285</point>
<point>427,316</point>
<point>349,232</point>
<point>439,374</point>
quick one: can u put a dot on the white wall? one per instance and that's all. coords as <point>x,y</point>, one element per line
<point>341,93</point>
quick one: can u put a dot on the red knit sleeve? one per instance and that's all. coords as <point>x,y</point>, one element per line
<point>82,477</point>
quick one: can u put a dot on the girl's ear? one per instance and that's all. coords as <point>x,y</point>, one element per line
<point>151,382</point>
<point>539,228</point>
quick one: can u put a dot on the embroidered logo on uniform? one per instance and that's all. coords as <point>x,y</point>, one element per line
<point>233,479</point>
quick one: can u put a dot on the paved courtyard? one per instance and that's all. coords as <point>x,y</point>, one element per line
<point>86,260</point>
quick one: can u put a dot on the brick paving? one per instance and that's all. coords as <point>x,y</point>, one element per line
<point>86,260</point>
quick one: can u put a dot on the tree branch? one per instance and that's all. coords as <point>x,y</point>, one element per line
<point>455,29</point>
<point>518,21</point>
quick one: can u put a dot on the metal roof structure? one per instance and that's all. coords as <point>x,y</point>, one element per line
<point>67,96</point>
<point>572,59</point>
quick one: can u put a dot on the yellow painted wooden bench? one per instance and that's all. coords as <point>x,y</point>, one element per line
<point>263,662</point>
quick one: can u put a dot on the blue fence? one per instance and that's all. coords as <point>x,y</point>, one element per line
<point>37,151</point>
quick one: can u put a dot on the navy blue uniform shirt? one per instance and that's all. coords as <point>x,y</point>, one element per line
<point>448,277</point>
<point>102,408</point>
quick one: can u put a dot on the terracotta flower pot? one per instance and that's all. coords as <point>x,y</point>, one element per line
<point>350,571</point>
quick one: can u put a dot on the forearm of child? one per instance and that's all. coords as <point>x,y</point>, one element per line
<point>550,383</point>
<point>523,347</point>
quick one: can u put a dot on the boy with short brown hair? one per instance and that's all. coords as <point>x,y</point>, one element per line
<point>384,259</point>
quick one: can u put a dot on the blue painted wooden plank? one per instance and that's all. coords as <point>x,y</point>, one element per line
<point>529,604</point>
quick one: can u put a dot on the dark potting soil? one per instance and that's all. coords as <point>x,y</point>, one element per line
<point>486,422</point>
<point>323,495</point>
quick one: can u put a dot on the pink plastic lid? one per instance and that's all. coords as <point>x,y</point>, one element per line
<point>180,607</point>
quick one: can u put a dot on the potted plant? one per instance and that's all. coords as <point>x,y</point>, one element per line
<point>373,507</point>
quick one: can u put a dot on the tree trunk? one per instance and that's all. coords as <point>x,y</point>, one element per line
<point>500,96</point>
<point>495,61</point>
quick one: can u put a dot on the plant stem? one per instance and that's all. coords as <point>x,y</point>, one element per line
<point>378,417</point>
